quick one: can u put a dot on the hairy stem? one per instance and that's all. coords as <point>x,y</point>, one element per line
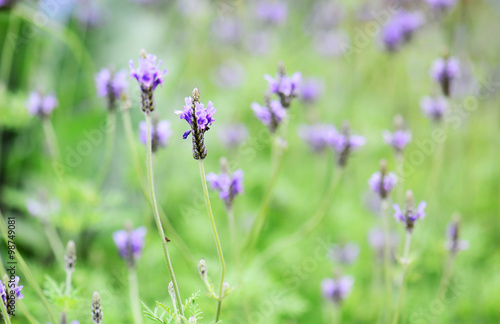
<point>217,241</point>
<point>161,233</point>
<point>134,295</point>
<point>405,262</point>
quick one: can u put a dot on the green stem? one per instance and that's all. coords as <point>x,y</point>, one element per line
<point>51,138</point>
<point>110,140</point>
<point>405,262</point>
<point>387,260</point>
<point>134,295</point>
<point>217,240</point>
<point>443,285</point>
<point>27,273</point>
<point>277,159</point>
<point>161,233</point>
<point>8,50</point>
<point>6,316</point>
<point>27,313</point>
<point>400,172</point>
<point>67,291</point>
<point>55,243</point>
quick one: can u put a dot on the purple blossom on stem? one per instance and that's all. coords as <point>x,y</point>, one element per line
<point>41,105</point>
<point>228,185</point>
<point>346,254</point>
<point>111,85</point>
<point>400,138</point>
<point>444,71</point>
<point>271,114</point>
<point>344,143</point>
<point>160,133</point>
<point>337,290</point>
<point>10,289</point>
<point>318,136</point>
<point>311,89</point>
<point>410,214</point>
<point>382,182</point>
<point>274,13</point>
<point>400,29</point>
<point>284,86</point>
<point>233,135</point>
<point>434,107</point>
<point>454,244</point>
<point>130,243</point>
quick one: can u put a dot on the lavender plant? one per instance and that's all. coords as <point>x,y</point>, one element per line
<point>445,71</point>
<point>96,309</point>
<point>434,108</point>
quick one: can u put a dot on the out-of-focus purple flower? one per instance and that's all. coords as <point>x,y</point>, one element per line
<point>318,136</point>
<point>160,133</point>
<point>88,12</point>
<point>257,43</point>
<point>130,243</point>
<point>274,13</point>
<point>284,86</point>
<point>227,29</point>
<point>345,254</point>
<point>111,85</point>
<point>325,16</point>
<point>271,115</point>
<point>344,143</point>
<point>233,135</point>
<point>376,239</point>
<point>230,74</point>
<point>382,182</point>
<point>228,185</point>
<point>331,43</point>
<point>401,28</point>
<point>337,290</point>
<point>454,244</point>
<point>148,74</point>
<point>40,105</point>
<point>42,206</point>
<point>444,71</point>
<point>398,140</point>
<point>410,214</point>
<point>441,5</point>
<point>434,107</point>
<point>311,89</point>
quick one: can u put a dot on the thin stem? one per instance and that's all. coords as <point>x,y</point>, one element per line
<point>27,313</point>
<point>443,285</point>
<point>134,295</point>
<point>67,291</point>
<point>110,140</point>
<point>27,273</point>
<point>149,168</point>
<point>387,264</point>
<point>51,138</point>
<point>400,172</point>
<point>9,49</point>
<point>217,240</point>
<point>277,159</point>
<point>55,243</point>
<point>5,314</point>
<point>405,262</point>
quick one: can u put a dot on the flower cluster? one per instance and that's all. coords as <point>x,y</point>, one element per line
<point>96,308</point>
<point>41,105</point>
<point>284,86</point>
<point>111,85</point>
<point>228,185</point>
<point>401,29</point>
<point>434,107</point>
<point>200,118</point>
<point>344,143</point>
<point>444,70</point>
<point>318,136</point>
<point>160,133</point>
<point>454,243</point>
<point>149,76</point>
<point>337,290</point>
<point>14,291</point>
<point>130,243</point>
<point>273,13</point>
<point>311,89</point>
<point>271,114</point>
<point>401,136</point>
<point>382,182</point>
<point>410,214</point>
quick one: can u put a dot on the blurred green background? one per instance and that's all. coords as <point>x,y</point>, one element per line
<point>366,86</point>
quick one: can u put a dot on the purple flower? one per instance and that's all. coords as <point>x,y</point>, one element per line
<point>40,105</point>
<point>130,243</point>
<point>148,74</point>
<point>271,115</point>
<point>376,239</point>
<point>233,135</point>
<point>272,12</point>
<point>454,244</point>
<point>331,43</point>
<point>441,5</point>
<point>344,143</point>
<point>400,29</point>
<point>160,133</point>
<point>346,254</point>
<point>227,29</point>
<point>410,214</point>
<point>311,89</point>
<point>11,290</point>
<point>434,107</point>
<point>398,140</point>
<point>318,136</point>
<point>228,186</point>
<point>444,71</point>
<point>111,85</point>
<point>284,86</point>
<point>382,183</point>
<point>337,290</point>
<point>88,12</point>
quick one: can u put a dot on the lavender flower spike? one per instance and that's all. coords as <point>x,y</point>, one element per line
<point>344,143</point>
<point>149,76</point>
<point>454,243</point>
<point>130,243</point>
<point>311,89</point>
<point>228,185</point>
<point>160,133</point>
<point>400,138</point>
<point>318,136</point>
<point>111,86</point>
<point>410,214</point>
<point>382,182</point>
<point>337,290</point>
<point>96,311</point>
<point>271,114</point>
<point>345,254</point>
<point>41,105</point>
<point>434,107</point>
<point>284,86</point>
<point>444,71</point>
<point>200,118</point>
